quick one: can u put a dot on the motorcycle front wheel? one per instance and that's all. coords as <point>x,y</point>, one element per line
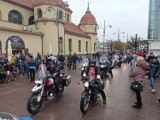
<point>33,106</point>
<point>84,103</point>
<point>61,89</point>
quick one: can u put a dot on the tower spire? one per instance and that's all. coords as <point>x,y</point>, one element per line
<point>88,10</point>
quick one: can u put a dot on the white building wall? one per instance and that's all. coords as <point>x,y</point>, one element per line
<point>154,47</point>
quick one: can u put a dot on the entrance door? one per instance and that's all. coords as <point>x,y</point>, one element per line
<point>15,45</point>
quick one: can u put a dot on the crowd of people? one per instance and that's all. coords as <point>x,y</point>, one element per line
<point>142,66</point>
<point>22,65</point>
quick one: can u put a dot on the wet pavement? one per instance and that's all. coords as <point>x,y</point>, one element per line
<point>14,96</point>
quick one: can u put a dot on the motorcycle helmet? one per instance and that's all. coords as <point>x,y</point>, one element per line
<point>53,58</point>
<point>92,62</point>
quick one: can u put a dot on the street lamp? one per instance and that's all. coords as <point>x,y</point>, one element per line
<point>118,33</point>
<point>104,30</point>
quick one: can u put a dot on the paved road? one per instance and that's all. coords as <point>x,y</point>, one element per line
<point>14,96</point>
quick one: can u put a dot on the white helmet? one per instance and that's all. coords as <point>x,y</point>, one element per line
<point>53,58</point>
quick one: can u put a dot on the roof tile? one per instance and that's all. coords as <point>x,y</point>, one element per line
<point>70,27</point>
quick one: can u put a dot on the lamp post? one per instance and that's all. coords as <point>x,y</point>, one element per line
<point>104,32</point>
<point>118,33</point>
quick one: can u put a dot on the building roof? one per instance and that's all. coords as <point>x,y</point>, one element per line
<point>31,3</point>
<point>88,18</point>
<point>73,29</point>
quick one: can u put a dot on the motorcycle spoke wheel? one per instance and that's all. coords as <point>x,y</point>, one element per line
<point>84,105</point>
<point>33,106</point>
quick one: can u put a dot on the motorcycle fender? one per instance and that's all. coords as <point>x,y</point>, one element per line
<point>36,88</point>
<point>84,94</point>
<point>40,95</point>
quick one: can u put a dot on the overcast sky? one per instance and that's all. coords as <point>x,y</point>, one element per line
<point>131,16</point>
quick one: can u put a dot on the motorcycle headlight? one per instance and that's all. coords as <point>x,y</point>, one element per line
<point>82,68</point>
<point>84,65</point>
<point>86,84</point>
<point>103,66</point>
<point>84,74</point>
<point>98,77</point>
<point>39,81</point>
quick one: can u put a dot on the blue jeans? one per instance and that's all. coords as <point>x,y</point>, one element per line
<point>152,82</point>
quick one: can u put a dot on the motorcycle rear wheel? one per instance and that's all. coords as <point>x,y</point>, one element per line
<point>84,105</point>
<point>33,106</point>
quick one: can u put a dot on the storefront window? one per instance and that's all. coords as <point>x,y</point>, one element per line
<point>15,17</point>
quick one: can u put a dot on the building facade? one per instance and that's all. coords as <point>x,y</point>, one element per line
<point>154,27</point>
<point>44,26</point>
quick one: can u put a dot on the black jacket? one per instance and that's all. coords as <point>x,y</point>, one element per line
<point>8,68</point>
<point>54,69</point>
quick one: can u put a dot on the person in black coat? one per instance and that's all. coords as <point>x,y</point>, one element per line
<point>154,67</point>
<point>32,67</point>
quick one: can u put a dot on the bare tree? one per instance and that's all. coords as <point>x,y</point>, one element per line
<point>135,42</point>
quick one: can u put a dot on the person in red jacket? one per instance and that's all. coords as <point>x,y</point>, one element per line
<point>141,53</point>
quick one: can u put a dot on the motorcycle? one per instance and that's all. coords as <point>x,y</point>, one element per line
<point>90,93</point>
<point>124,59</point>
<point>117,61</point>
<point>85,63</point>
<point>46,89</point>
<point>104,68</point>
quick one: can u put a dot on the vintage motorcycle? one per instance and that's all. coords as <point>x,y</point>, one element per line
<point>90,93</point>
<point>46,89</point>
<point>85,63</point>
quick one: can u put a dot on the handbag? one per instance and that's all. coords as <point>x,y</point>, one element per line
<point>136,86</point>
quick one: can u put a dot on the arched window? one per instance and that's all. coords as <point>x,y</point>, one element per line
<point>60,15</point>
<point>31,20</point>
<point>15,17</point>
<point>39,13</point>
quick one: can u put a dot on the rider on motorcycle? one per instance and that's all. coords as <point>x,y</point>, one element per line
<point>108,64</point>
<point>94,70</point>
<point>54,69</point>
